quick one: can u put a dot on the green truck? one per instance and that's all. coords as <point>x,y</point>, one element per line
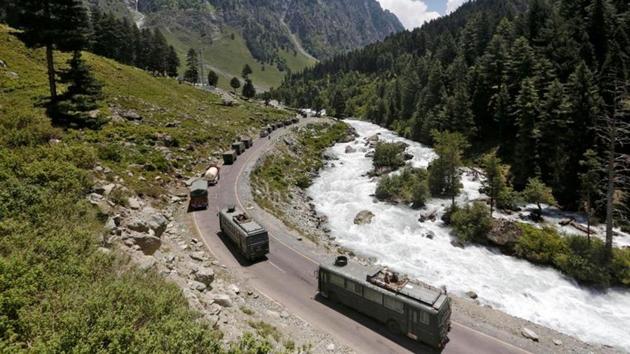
<point>239,147</point>
<point>251,239</point>
<point>229,157</point>
<point>199,194</point>
<point>417,310</point>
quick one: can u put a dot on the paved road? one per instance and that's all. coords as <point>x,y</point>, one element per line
<point>287,275</point>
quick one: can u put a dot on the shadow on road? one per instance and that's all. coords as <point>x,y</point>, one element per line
<point>376,327</point>
<point>236,253</point>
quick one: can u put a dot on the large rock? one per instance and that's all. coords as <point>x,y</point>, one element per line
<point>222,300</point>
<point>204,275</point>
<point>134,203</point>
<point>146,263</point>
<point>363,217</point>
<point>138,224</point>
<point>155,220</point>
<point>504,233</point>
<point>197,285</point>
<point>131,115</point>
<point>350,149</point>
<point>529,334</point>
<point>147,243</point>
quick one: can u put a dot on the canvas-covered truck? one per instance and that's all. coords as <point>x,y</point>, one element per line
<point>251,239</point>
<point>199,194</point>
<point>212,175</point>
<point>411,308</point>
<point>249,142</point>
<point>239,147</point>
<point>229,157</point>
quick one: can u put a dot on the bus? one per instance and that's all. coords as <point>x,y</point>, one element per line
<point>417,310</point>
<point>251,239</point>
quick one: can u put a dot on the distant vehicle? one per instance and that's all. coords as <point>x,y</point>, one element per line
<point>251,239</point>
<point>417,310</point>
<point>295,120</point>
<point>229,157</point>
<point>239,147</point>
<point>247,141</point>
<point>212,175</point>
<point>199,194</point>
<point>264,133</point>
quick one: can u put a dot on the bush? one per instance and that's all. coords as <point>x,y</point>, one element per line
<point>389,156</point>
<point>539,246</point>
<point>410,186</point>
<point>471,223</point>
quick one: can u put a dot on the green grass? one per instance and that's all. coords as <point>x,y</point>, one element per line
<point>58,292</point>
<point>228,56</point>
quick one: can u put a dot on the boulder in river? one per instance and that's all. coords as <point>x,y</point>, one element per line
<point>363,217</point>
<point>471,294</point>
<point>350,149</point>
<point>504,233</point>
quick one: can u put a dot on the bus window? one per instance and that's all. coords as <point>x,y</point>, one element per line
<point>323,276</point>
<point>372,295</point>
<point>424,318</point>
<point>394,304</point>
<point>354,287</point>
<point>337,280</point>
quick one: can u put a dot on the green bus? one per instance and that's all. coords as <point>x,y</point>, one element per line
<point>417,310</point>
<point>251,239</point>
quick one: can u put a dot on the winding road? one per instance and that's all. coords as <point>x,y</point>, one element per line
<point>287,275</point>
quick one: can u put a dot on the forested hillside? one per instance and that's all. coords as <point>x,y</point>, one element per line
<point>535,78</point>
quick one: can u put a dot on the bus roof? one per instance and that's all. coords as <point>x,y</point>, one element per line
<point>411,291</point>
<point>243,221</point>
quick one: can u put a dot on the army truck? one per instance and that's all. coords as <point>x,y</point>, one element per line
<point>212,175</point>
<point>239,147</point>
<point>264,132</point>
<point>249,142</point>
<point>411,308</point>
<point>199,194</point>
<point>229,157</point>
<point>251,239</point>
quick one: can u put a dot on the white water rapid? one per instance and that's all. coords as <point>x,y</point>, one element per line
<point>397,239</point>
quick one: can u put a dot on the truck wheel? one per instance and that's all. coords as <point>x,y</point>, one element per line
<point>393,327</point>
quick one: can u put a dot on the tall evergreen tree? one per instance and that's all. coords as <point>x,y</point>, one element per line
<point>247,70</point>
<point>53,24</point>
<point>235,83</point>
<point>249,91</point>
<point>527,111</point>
<point>192,67</point>
<point>172,62</point>
<point>445,171</point>
<point>213,78</point>
<point>590,180</point>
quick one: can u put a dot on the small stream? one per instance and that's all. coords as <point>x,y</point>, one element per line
<point>397,239</point>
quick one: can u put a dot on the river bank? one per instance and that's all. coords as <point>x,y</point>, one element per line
<point>302,215</point>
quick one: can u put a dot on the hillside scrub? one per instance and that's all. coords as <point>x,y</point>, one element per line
<point>408,187</point>
<point>60,292</point>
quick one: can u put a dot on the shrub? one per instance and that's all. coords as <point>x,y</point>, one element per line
<point>539,245</point>
<point>472,222</point>
<point>389,156</point>
<point>410,186</point>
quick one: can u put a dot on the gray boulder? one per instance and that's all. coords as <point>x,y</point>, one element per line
<point>155,220</point>
<point>363,217</point>
<point>147,243</point>
<point>196,285</point>
<point>529,334</point>
<point>350,149</point>
<point>137,224</point>
<point>204,275</point>
<point>131,115</point>
<point>222,300</point>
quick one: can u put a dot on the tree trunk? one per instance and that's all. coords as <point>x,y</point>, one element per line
<point>51,72</point>
<point>610,193</point>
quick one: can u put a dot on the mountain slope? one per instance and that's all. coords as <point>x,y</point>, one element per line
<point>531,77</point>
<point>268,35</point>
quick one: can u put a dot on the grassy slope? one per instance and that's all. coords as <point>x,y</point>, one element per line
<point>57,292</point>
<point>229,56</point>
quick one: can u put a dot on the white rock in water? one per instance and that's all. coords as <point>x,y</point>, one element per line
<point>528,333</point>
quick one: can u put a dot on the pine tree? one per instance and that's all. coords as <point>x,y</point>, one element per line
<point>77,107</point>
<point>249,91</point>
<point>536,192</point>
<point>213,78</point>
<point>235,83</point>
<point>445,171</point>
<point>527,112</point>
<point>192,71</point>
<point>159,53</point>
<point>172,62</point>
<point>495,183</point>
<point>247,70</point>
<point>339,104</point>
<point>53,24</point>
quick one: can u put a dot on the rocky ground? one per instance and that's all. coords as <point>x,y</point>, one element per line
<point>298,212</point>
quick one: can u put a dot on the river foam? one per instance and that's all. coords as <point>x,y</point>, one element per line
<point>397,239</point>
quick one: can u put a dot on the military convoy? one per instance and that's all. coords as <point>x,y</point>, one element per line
<point>417,310</point>
<point>251,239</point>
<point>199,194</point>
